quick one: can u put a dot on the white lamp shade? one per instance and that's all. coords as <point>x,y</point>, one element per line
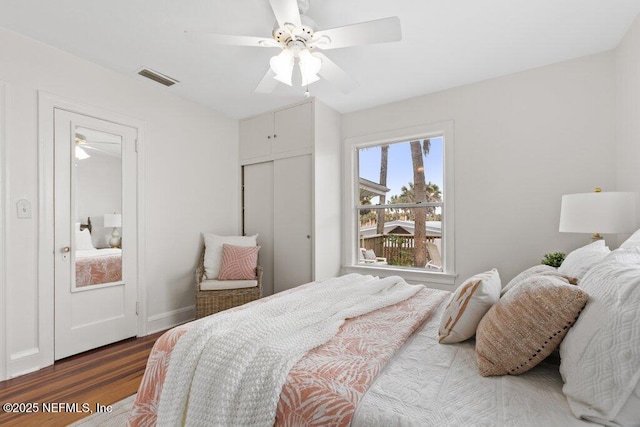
<point>603,212</point>
<point>81,154</point>
<point>309,67</point>
<point>112,220</point>
<point>282,65</point>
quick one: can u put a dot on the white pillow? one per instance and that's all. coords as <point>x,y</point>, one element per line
<point>83,240</point>
<point>624,256</point>
<point>600,355</point>
<point>213,250</point>
<point>467,305</point>
<point>631,242</point>
<point>578,262</point>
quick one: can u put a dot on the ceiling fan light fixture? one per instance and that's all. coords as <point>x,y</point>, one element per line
<point>81,154</point>
<point>282,66</point>
<point>309,67</point>
<point>299,37</point>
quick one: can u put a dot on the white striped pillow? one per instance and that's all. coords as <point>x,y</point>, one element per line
<point>238,262</point>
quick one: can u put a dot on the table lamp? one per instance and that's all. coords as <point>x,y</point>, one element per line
<point>611,212</point>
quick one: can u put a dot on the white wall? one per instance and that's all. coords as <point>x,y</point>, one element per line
<point>628,111</point>
<point>327,198</point>
<point>521,142</point>
<point>190,183</point>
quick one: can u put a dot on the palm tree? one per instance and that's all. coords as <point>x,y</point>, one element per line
<point>407,195</point>
<point>418,150</point>
<point>384,155</point>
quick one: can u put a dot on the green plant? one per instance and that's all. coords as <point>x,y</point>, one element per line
<point>554,259</point>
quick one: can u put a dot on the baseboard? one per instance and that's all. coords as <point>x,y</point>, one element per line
<point>163,321</point>
<point>24,362</point>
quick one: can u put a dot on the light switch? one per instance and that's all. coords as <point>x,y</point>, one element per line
<point>24,208</point>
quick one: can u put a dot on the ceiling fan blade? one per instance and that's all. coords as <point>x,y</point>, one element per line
<point>227,39</point>
<point>102,150</point>
<point>268,83</point>
<point>335,75</point>
<point>379,31</point>
<point>286,11</point>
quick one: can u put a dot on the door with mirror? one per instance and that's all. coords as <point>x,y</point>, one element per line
<point>95,232</point>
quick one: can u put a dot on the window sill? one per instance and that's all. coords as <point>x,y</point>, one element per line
<point>430,279</point>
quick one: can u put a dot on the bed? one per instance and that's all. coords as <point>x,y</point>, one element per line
<point>98,266</point>
<point>403,376</point>
<point>95,266</point>
<point>404,362</point>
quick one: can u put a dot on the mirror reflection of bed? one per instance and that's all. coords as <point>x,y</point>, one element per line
<point>95,266</point>
<point>98,205</point>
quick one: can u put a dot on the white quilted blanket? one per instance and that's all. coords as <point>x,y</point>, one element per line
<point>230,369</point>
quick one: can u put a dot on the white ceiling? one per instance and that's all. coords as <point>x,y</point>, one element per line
<point>446,43</point>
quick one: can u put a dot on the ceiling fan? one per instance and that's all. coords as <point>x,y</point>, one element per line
<point>298,38</point>
<point>82,144</point>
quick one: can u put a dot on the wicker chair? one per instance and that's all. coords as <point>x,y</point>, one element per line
<point>213,301</point>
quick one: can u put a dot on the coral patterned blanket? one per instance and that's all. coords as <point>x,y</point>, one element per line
<point>325,386</point>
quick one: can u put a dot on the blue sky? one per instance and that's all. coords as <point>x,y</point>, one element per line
<point>400,170</point>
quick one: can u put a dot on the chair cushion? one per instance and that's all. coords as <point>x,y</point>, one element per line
<point>238,262</point>
<point>370,254</point>
<point>220,285</point>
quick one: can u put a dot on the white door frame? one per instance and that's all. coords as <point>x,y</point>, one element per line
<point>4,357</point>
<point>46,104</point>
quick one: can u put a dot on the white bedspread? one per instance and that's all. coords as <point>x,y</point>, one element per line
<point>230,369</point>
<point>431,384</point>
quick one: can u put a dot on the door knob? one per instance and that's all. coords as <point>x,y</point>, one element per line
<point>66,249</point>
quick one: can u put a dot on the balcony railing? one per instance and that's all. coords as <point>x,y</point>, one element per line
<point>398,249</point>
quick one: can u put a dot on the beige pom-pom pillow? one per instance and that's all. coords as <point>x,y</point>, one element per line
<point>536,270</point>
<point>527,324</point>
<point>467,305</point>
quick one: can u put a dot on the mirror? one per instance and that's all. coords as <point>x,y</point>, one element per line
<point>96,198</point>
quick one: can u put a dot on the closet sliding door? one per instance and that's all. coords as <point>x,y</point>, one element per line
<point>292,206</point>
<point>258,216</point>
<point>277,206</point>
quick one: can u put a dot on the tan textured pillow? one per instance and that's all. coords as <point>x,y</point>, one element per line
<point>536,270</point>
<point>467,305</point>
<point>526,325</point>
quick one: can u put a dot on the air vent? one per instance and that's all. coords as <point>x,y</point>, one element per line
<point>157,77</point>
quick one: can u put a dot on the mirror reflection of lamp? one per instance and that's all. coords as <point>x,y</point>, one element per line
<point>113,220</point>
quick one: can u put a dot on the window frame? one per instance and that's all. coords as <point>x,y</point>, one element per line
<point>446,277</point>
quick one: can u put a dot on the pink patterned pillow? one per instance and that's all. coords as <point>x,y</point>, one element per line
<point>238,262</point>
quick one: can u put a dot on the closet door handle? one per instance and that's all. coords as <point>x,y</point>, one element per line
<point>66,249</point>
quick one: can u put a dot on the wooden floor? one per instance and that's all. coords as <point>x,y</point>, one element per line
<point>102,376</point>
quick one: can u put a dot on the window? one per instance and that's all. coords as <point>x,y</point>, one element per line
<point>402,202</point>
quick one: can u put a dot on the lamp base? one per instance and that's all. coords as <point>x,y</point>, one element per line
<point>115,240</point>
